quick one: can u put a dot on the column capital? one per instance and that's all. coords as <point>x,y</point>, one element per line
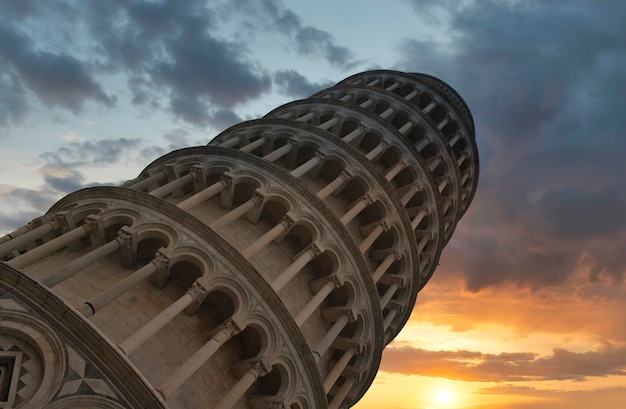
<point>161,260</point>
<point>335,313</point>
<point>257,366</point>
<point>314,249</point>
<point>60,223</point>
<point>287,221</point>
<point>394,305</point>
<point>258,198</point>
<point>397,255</point>
<point>198,291</point>
<point>93,223</point>
<point>227,180</point>
<point>335,280</point>
<point>349,344</point>
<point>170,172</point>
<point>367,199</point>
<point>198,172</point>
<point>345,174</point>
<point>319,155</point>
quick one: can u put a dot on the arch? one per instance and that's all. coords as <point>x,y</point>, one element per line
<point>274,209</point>
<point>219,306</point>
<point>390,157</point>
<point>301,236</point>
<point>331,168</point>
<point>355,189</point>
<point>116,219</point>
<point>372,213</point>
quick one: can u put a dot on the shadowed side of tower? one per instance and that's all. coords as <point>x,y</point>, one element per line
<point>266,269</point>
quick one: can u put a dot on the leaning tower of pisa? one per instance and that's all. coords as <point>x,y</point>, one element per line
<point>267,269</point>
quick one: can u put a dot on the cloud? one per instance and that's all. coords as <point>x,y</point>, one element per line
<point>505,367</point>
<point>608,398</point>
<point>538,79</point>
<point>308,41</point>
<point>89,152</point>
<point>295,85</point>
<point>13,105</point>
<point>56,79</point>
<point>19,206</point>
<point>170,46</point>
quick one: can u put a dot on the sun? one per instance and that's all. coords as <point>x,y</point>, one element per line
<point>444,396</point>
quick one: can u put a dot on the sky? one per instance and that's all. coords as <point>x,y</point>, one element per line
<point>527,308</point>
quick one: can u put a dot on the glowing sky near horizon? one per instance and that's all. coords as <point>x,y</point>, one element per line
<point>527,308</point>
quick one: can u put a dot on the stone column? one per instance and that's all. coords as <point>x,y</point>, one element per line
<point>144,183</point>
<point>237,212</point>
<point>227,330</point>
<point>339,367</point>
<point>330,283</point>
<point>330,188</point>
<point>284,225</point>
<point>173,185</point>
<point>231,142</point>
<point>423,241</point>
<point>371,238</point>
<point>389,317</point>
<point>55,277</point>
<point>257,370</point>
<point>374,153</point>
<point>410,95</point>
<point>356,209</point>
<point>405,128</point>
<point>387,113</point>
<point>159,263</point>
<point>194,295</point>
<point>280,152</point>
<point>328,123</point>
<point>50,247</point>
<point>418,218</point>
<point>308,165</point>
<point>409,194</point>
<point>253,145</point>
<point>341,393</point>
<point>321,348</point>
<point>395,170</point>
<point>23,239</point>
<point>384,300</point>
<point>204,194</point>
<point>367,103</point>
<point>306,117</point>
<point>283,278</point>
<point>353,135</point>
<point>384,265</point>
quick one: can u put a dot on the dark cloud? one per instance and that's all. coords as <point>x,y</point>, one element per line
<point>295,85</point>
<point>539,81</point>
<point>22,205</point>
<point>505,367</point>
<point>308,41</point>
<point>570,213</point>
<point>13,105</point>
<point>67,184</point>
<point>224,118</point>
<point>169,53</point>
<point>169,46</point>
<point>56,79</point>
<point>88,152</point>
<point>203,69</point>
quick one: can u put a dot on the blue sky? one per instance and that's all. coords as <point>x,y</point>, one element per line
<point>92,91</point>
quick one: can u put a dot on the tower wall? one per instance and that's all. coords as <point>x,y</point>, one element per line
<point>270,267</point>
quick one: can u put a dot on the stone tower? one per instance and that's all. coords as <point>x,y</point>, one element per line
<point>267,269</point>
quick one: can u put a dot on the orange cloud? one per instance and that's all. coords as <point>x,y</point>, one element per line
<point>510,367</point>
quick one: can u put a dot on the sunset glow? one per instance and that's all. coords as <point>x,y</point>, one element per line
<point>527,307</point>
<point>444,396</point>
